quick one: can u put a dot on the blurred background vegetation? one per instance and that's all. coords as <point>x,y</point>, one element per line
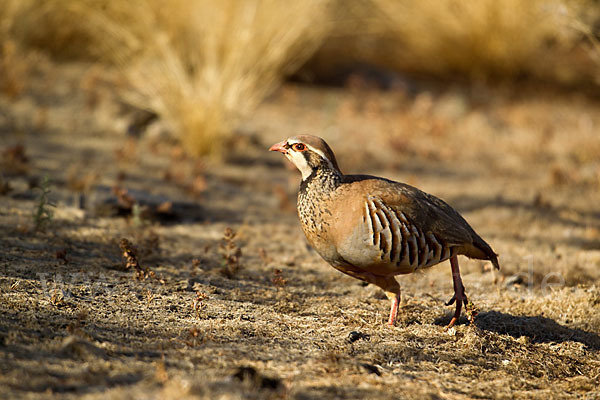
<point>202,66</point>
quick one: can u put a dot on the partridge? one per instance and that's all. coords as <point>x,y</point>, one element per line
<point>373,228</point>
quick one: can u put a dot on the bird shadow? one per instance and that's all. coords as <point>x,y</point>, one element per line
<point>537,328</point>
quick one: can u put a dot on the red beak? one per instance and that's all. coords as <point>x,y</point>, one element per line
<point>280,147</point>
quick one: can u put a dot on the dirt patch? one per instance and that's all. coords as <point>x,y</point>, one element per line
<point>259,314</point>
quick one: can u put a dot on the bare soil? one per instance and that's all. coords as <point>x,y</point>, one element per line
<point>261,315</point>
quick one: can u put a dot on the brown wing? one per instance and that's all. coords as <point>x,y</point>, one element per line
<point>429,214</point>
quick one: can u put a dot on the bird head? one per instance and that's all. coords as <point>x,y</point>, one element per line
<point>308,153</point>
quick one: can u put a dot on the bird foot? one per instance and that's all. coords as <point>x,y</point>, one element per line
<point>470,309</point>
<point>462,299</point>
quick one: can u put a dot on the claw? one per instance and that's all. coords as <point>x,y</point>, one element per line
<point>451,324</point>
<point>451,301</point>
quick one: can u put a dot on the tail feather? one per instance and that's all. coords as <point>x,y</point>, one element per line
<point>494,260</point>
<point>489,253</point>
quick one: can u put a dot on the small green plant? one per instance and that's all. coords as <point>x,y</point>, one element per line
<point>136,215</point>
<point>42,214</point>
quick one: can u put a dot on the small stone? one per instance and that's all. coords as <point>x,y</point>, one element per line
<point>514,280</point>
<point>355,335</point>
<point>370,368</point>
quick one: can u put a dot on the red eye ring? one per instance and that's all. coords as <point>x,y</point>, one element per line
<point>299,147</point>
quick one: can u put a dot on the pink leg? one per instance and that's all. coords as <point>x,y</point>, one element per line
<point>388,284</point>
<point>394,308</point>
<point>459,291</point>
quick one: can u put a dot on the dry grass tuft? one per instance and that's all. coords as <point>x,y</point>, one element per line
<point>488,38</point>
<point>130,253</point>
<point>200,66</point>
<point>230,253</point>
<point>14,65</point>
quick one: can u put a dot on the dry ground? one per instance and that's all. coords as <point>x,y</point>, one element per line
<point>522,165</point>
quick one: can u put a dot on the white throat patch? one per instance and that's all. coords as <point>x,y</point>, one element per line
<point>297,158</point>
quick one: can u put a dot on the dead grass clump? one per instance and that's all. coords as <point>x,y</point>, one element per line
<point>198,303</point>
<point>13,69</point>
<point>130,255</point>
<point>484,38</point>
<point>14,66</point>
<point>211,65</point>
<point>278,280</point>
<point>67,29</point>
<point>200,66</point>
<point>231,254</point>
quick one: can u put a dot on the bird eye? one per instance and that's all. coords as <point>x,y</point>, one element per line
<point>299,147</point>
